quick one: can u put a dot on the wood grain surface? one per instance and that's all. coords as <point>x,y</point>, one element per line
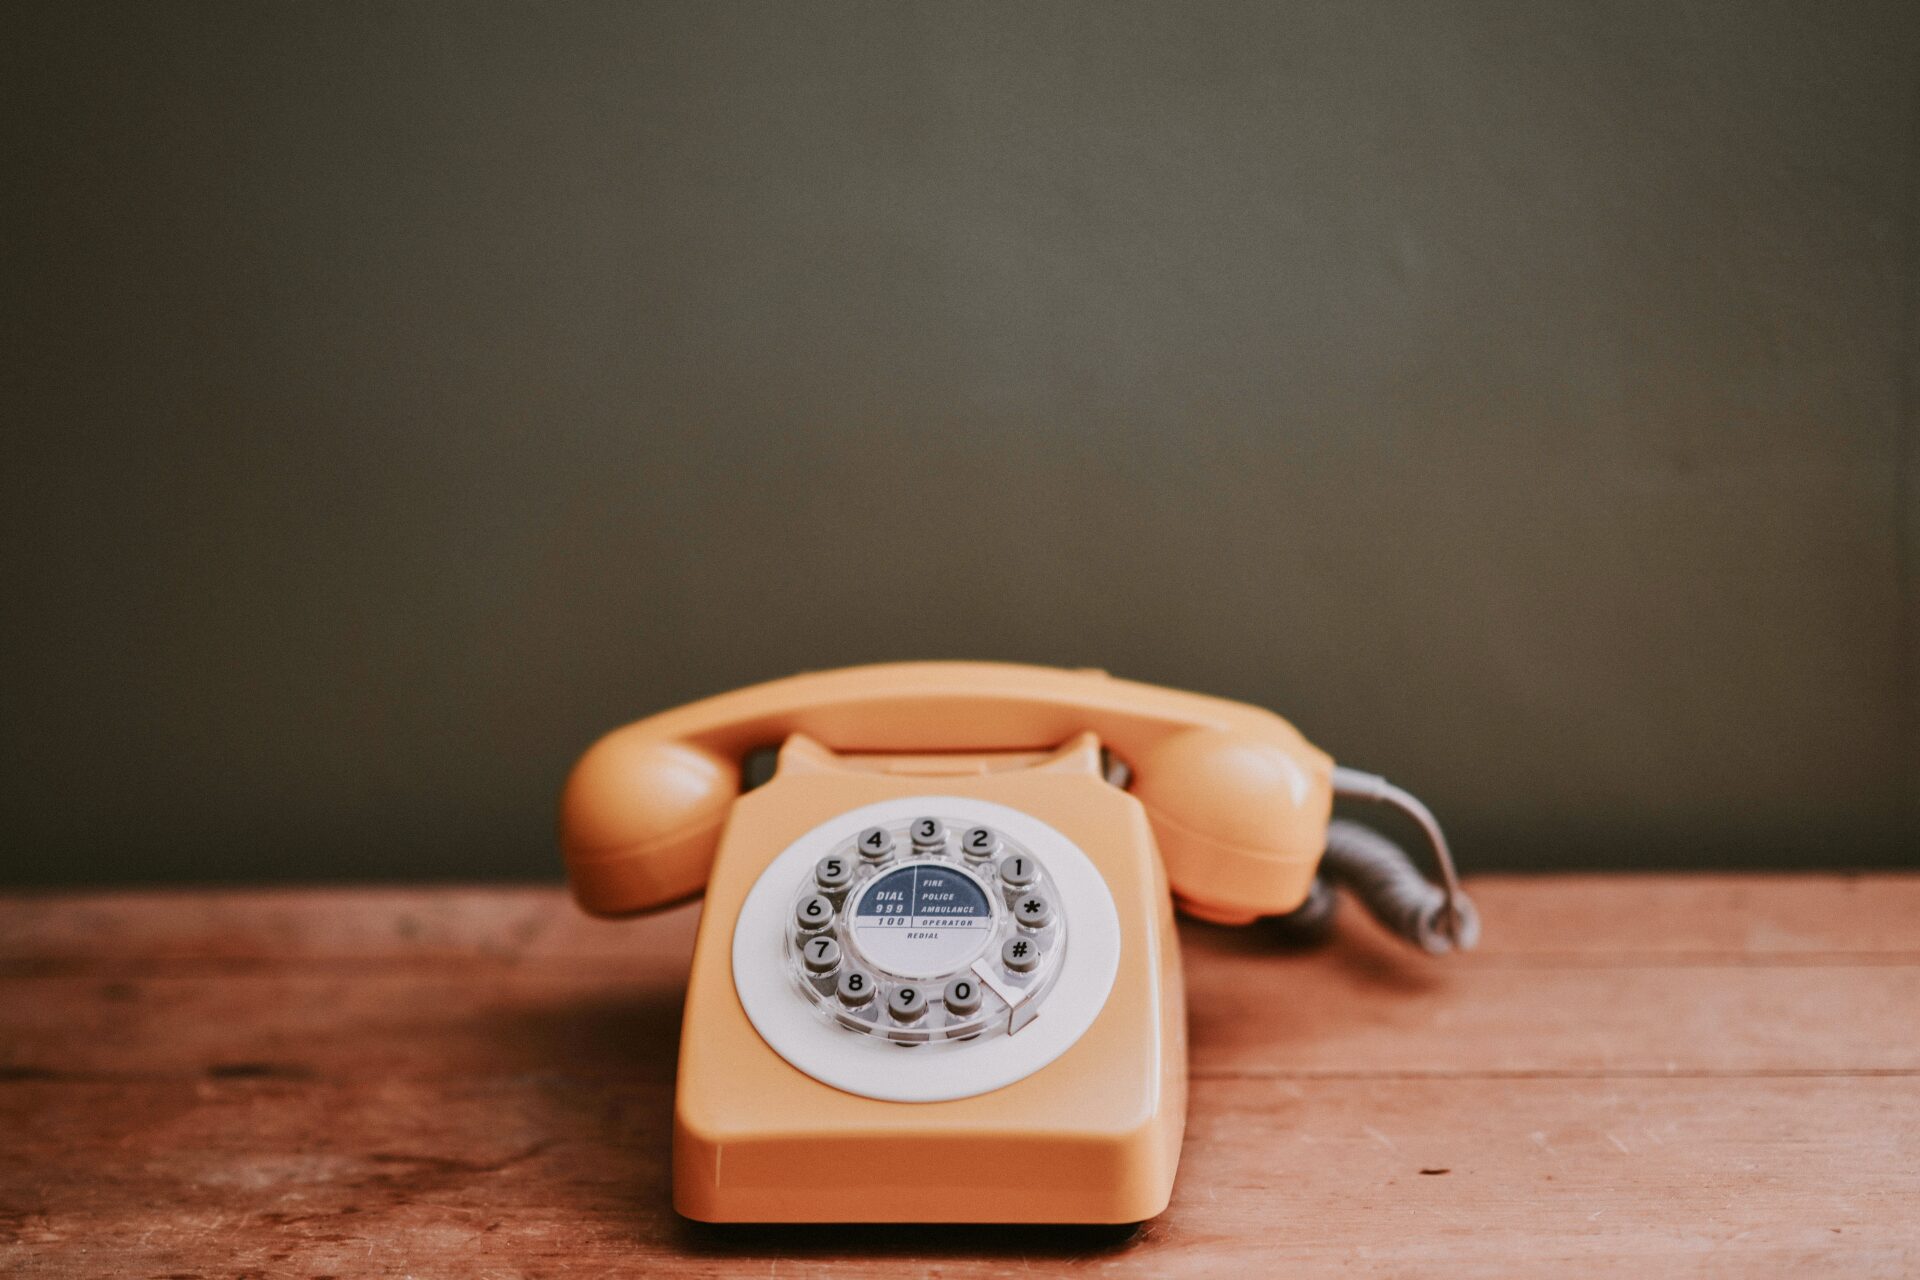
<point>1633,1076</point>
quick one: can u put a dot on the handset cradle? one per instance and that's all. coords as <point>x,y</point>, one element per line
<point>1238,799</point>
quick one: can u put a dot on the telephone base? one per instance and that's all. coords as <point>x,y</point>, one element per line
<point>1089,1132</point>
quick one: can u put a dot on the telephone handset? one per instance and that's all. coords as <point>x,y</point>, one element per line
<point>936,977</point>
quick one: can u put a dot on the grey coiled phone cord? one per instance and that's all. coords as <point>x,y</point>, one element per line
<point>1437,918</point>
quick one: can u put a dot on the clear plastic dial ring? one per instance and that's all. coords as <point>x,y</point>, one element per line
<point>938,930</point>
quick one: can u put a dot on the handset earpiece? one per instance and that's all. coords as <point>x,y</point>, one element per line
<point>1244,824</point>
<point>640,818</point>
<point>1240,817</point>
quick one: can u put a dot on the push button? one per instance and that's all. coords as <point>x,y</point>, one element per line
<point>821,954</point>
<point>962,997</point>
<point>814,912</point>
<point>980,844</point>
<point>833,873</point>
<point>875,844</point>
<point>1018,871</point>
<point>1020,954</point>
<point>1032,910</point>
<point>855,988</point>
<point>907,1002</point>
<point>928,834</point>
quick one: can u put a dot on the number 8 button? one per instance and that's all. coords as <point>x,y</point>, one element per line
<point>855,987</point>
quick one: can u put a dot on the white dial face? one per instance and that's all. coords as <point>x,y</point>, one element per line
<point>921,920</point>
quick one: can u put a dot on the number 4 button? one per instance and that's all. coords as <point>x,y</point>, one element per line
<point>875,844</point>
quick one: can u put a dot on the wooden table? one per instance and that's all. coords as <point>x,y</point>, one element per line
<point>1634,1076</point>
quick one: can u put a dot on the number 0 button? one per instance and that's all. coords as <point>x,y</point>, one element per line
<point>962,997</point>
<point>907,1003</point>
<point>814,912</point>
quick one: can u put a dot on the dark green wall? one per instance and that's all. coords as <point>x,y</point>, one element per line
<point>1519,397</point>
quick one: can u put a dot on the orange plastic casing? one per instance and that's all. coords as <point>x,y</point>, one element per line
<point>1094,1136</point>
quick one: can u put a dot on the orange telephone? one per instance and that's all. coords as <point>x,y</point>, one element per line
<point>936,978</point>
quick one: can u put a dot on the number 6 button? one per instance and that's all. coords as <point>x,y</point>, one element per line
<point>814,912</point>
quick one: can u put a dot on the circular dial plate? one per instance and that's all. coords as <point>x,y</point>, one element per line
<point>798,1014</point>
